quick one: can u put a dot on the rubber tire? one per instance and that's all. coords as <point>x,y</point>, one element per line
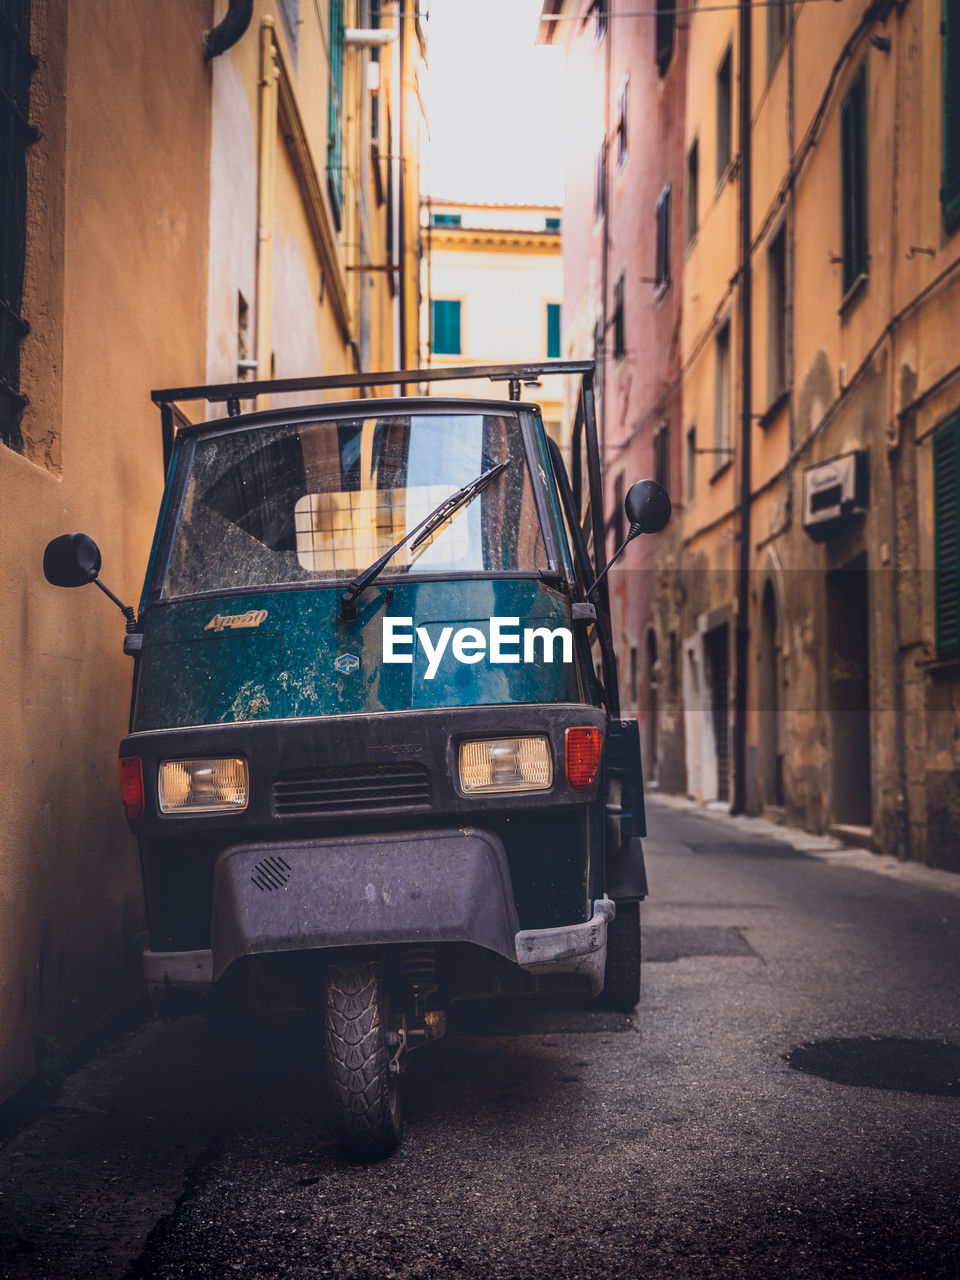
<point>364,1092</point>
<point>621,977</point>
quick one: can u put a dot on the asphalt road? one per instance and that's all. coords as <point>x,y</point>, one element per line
<point>785,1102</point>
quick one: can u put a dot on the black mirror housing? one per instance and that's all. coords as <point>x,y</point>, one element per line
<point>648,505</point>
<point>72,560</point>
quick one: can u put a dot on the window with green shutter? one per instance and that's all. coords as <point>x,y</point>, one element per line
<point>950,194</point>
<point>445,326</point>
<point>553,330</point>
<point>335,111</point>
<point>946,497</point>
<point>16,134</point>
<point>853,160</point>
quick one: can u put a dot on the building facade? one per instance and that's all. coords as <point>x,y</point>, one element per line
<point>623,272</point>
<point>492,284</point>
<point>820,548</point>
<point>815,584</point>
<point>182,202</point>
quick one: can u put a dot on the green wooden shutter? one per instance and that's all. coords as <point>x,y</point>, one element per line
<point>553,330</point>
<point>445,326</point>
<point>950,194</point>
<point>335,109</point>
<point>946,495</point>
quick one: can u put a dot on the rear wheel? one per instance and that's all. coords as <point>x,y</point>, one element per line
<point>621,977</point>
<point>364,1092</point>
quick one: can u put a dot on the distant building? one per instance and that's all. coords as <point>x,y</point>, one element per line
<point>493,290</point>
<point>623,246</point>
<point>166,219</point>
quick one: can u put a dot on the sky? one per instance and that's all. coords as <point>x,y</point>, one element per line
<point>495,104</point>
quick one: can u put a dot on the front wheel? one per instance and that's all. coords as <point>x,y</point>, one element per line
<point>364,1091</point>
<point>621,975</point>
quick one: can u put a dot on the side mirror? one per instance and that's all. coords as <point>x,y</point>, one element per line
<point>648,509</point>
<point>72,560</point>
<point>648,505</point>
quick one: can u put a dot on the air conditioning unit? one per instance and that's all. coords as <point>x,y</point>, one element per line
<point>834,492</point>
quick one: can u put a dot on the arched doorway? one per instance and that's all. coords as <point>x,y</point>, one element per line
<point>652,708</point>
<point>768,690</point>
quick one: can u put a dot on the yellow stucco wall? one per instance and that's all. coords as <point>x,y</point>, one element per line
<point>114,297</point>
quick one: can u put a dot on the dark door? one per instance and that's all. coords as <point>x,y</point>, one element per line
<point>848,691</point>
<point>717,647</point>
<point>770,760</point>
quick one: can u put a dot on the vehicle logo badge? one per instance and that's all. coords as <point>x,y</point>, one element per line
<point>347,663</point>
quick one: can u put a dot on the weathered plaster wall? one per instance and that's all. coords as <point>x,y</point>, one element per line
<point>113,293</point>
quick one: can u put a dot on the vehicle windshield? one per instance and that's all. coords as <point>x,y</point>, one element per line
<point>320,501</point>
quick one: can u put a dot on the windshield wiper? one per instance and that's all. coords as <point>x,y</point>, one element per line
<point>419,533</point>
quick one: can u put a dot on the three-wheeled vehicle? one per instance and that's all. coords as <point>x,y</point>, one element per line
<point>376,761</point>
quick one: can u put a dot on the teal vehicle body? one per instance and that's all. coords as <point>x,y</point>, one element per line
<point>376,761</point>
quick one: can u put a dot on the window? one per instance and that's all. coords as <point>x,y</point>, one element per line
<point>317,501</point>
<point>618,518</point>
<point>666,23</point>
<point>446,219</point>
<point>290,14</point>
<point>777,316</point>
<point>553,330</point>
<point>662,272</point>
<point>600,196</point>
<point>661,455</point>
<point>374,84</point>
<point>619,320</point>
<point>693,192</point>
<point>946,495</point>
<point>721,401</point>
<point>16,65</point>
<point>551,224</point>
<point>622,124</point>
<point>853,159</point>
<point>691,463</point>
<point>724,115</point>
<point>445,326</point>
<point>950,195</point>
<point>335,111</point>
<point>777,19</point>
<point>598,354</point>
<point>601,9</point>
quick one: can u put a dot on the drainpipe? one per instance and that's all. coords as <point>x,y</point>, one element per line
<point>266,202</point>
<point>605,257</point>
<point>894,446</point>
<point>402,194</point>
<point>226,33</point>
<point>746,374</point>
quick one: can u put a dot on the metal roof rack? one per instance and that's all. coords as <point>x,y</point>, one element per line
<point>232,393</point>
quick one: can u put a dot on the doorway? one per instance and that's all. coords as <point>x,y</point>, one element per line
<point>848,692</point>
<point>716,644</point>
<point>652,708</point>
<point>768,661</point>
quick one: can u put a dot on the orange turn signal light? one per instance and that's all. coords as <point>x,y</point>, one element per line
<point>130,774</point>
<point>582,752</point>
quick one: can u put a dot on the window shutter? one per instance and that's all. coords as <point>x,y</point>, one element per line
<point>951,115</point>
<point>553,330</point>
<point>946,486</point>
<point>853,155</point>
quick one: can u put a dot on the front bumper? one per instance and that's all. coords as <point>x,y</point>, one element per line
<point>570,949</point>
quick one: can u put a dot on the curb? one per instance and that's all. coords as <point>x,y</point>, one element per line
<point>824,847</point>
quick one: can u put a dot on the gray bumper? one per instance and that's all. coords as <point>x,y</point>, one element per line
<point>575,948</point>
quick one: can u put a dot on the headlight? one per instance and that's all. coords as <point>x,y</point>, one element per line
<point>203,786</point>
<point>506,764</point>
